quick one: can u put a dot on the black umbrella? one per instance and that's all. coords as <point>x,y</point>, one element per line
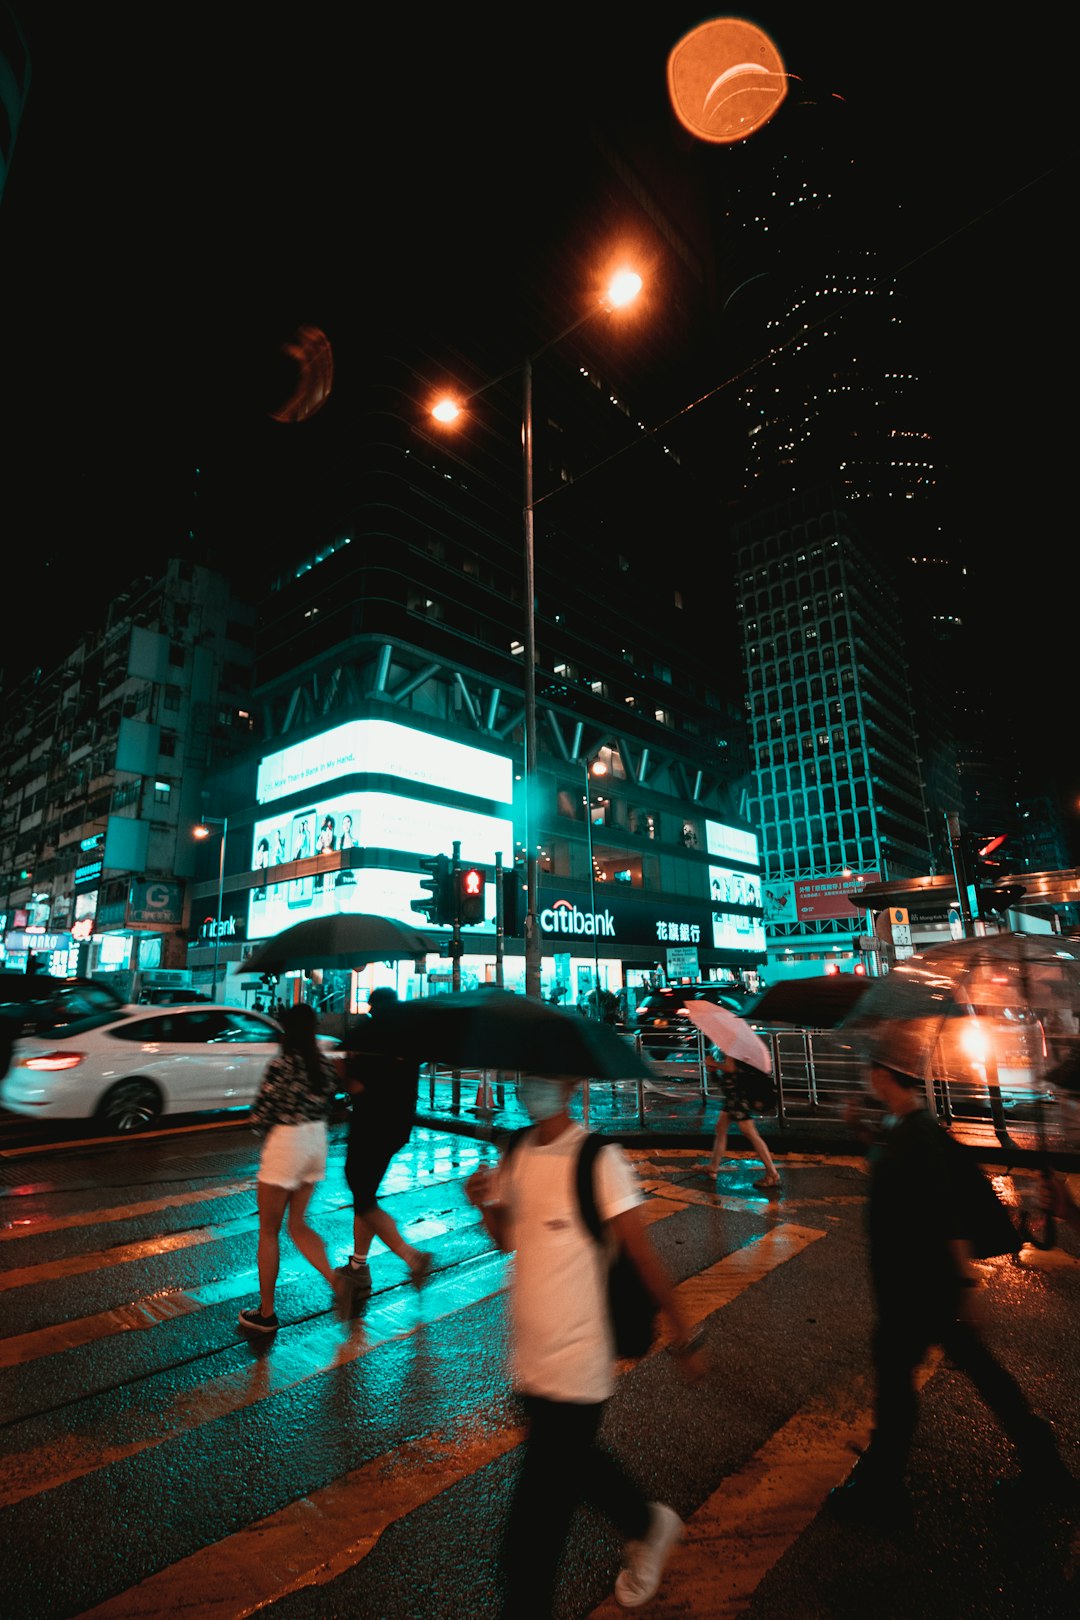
<point>346,940</point>
<point>495,1029</point>
<point>816,1003</point>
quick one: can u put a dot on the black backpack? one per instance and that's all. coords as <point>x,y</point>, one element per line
<point>986,1222</point>
<point>632,1308</point>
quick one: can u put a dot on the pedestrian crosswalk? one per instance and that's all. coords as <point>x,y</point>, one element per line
<point>339,1434</point>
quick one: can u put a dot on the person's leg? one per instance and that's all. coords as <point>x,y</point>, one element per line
<point>375,1222</point>
<point>271,1202</point>
<point>364,1170</point>
<point>606,1484</point>
<point>547,1492</point>
<point>876,1492</point>
<point>719,1147</point>
<point>899,1345</point>
<point>1035,1446</point>
<point>754,1137</point>
<point>307,1240</point>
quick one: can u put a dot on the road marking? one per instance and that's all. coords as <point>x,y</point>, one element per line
<point>33,1226</point>
<point>320,1536</point>
<point>140,1313</point>
<point>126,1136</point>
<point>746,1526</point>
<point>75,1265</point>
<point>289,1363</point>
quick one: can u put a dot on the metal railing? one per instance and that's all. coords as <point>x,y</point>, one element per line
<point>816,1075</point>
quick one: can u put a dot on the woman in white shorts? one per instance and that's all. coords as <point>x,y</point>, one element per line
<point>293,1105</point>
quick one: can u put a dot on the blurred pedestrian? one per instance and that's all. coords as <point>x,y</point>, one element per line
<point>383,1082</point>
<point>737,1083</point>
<point>925,1290</point>
<point>563,1350</point>
<point>292,1107</point>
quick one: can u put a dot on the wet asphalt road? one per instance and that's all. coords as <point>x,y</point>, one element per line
<point>154,1460</point>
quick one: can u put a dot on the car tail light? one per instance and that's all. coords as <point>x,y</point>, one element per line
<point>53,1060</point>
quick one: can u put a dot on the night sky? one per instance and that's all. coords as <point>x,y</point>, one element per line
<point>190,185</point>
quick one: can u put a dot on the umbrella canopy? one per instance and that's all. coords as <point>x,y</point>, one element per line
<point>815,1003</point>
<point>345,940</point>
<point>964,1002</point>
<point>730,1034</point>
<point>494,1029</point>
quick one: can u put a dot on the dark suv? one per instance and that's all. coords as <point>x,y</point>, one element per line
<point>661,1015</point>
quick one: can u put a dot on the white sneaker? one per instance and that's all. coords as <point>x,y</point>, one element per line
<point>638,1581</point>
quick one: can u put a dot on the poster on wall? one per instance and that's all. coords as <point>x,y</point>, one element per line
<point>778,899</point>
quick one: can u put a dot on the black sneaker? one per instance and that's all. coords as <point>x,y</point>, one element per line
<point>259,1324</point>
<point>357,1273</point>
<point>1037,1484</point>
<point>872,1504</point>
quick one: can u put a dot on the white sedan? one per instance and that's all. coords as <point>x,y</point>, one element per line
<point>126,1071</point>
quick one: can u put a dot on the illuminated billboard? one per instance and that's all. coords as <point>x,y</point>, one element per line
<point>734,843</point>
<point>382,748</point>
<point>732,932</point>
<point>728,888</point>
<point>378,821</point>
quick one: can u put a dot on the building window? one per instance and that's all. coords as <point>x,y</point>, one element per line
<point>162,792</point>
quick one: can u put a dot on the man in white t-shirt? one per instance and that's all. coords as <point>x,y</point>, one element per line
<point>563,1356</point>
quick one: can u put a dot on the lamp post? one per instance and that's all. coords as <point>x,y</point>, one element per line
<point>203,831</point>
<point>593,767</point>
<point>622,290</point>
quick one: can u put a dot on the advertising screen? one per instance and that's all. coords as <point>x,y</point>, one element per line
<point>731,932</point>
<point>379,747</point>
<point>376,820</point>
<point>734,842</point>
<point>729,888</point>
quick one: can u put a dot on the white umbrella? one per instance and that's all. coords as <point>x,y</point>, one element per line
<point>730,1034</point>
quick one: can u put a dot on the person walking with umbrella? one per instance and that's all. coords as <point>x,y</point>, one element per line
<point>383,1080</point>
<point>737,1083</point>
<point>563,1349</point>
<point>923,1282</point>
<point>292,1107</point>
<point>743,1064</point>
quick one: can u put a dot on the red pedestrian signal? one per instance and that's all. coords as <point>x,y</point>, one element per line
<point>471,881</point>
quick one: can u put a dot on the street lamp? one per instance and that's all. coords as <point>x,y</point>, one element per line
<point>593,767</point>
<point>622,289</point>
<point>203,831</point>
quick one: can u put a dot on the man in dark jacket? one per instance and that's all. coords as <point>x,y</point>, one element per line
<point>383,1082</point>
<point>923,1282</point>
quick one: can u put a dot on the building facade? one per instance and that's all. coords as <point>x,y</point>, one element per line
<point>837,789</point>
<point>103,755</point>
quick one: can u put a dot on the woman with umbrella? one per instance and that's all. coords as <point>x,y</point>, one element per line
<point>292,1107</point>
<point>738,1083</point>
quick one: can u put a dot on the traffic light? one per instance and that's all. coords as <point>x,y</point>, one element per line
<point>511,893</point>
<point>470,888</point>
<point>438,904</point>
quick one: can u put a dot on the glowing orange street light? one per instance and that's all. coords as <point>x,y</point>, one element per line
<point>621,290</point>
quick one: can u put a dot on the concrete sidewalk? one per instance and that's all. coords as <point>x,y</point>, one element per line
<point>674,1114</point>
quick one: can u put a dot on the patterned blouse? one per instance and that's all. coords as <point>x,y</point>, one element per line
<point>287,1097</point>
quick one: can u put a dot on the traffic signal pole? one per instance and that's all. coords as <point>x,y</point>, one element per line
<point>455,940</point>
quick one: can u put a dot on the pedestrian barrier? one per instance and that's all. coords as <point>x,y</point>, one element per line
<point>817,1076</point>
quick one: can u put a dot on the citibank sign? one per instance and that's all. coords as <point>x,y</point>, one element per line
<point>566,918</point>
